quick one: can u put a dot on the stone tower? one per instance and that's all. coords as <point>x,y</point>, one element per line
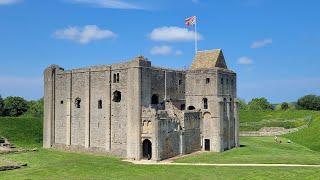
<point>211,87</point>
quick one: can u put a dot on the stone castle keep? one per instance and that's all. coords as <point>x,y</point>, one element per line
<point>137,111</point>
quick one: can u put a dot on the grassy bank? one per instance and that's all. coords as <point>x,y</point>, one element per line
<point>22,131</point>
<point>255,120</point>
<point>260,150</point>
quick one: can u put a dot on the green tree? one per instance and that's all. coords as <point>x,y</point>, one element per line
<point>257,104</point>
<point>1,106</point>
<point>15,106</point>
<point>242,104</point>
<point>310,102</point>
<point>285,106</point>
<point>35,108</point>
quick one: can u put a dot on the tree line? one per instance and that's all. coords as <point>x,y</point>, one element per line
<point>16,106</point>
<point>308,102</point>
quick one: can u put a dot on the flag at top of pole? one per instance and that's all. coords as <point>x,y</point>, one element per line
<point>192,21</point>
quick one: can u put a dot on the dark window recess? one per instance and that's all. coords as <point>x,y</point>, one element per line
<point>100,104</point>
<point>207,80</point>
<point>118,78</point>
<point>182,107</point>
<point>116,96</point>
<point>155,99</point>
<point>205,103</point>
<point>61,102</point>
<point>207,144</point>
<point>114,78</point>
<point>221,80</point>
<point>180,82</point>
<point>78,103</point>
<point>227,81</point>
<point>191,108</point>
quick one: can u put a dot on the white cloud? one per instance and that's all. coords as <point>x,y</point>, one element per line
<point>173,33</point>
<point>164,51</point>
<point>85,34</point>
<point>112,4</point>
<point>261,43</point>
<point>7,2</point>
<point>245,60</point>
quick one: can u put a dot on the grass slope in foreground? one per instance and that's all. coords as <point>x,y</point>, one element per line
<point>260,150</point>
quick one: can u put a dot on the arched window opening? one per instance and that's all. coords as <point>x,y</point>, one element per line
<point>78,103</point>
<point>116,96</point>
<point>155,99</point>
<point>118,77</point>
<point>191,108</point>
<point>182,107</point>
<point>205,103</point>
<point>114,78</point>
<point>100,104</point>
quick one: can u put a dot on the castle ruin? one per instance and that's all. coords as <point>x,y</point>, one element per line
<point>136,111</point>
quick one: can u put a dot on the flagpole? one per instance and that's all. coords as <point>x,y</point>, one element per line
<point>196,36</point>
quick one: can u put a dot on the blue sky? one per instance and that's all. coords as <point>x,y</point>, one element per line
<point>273,45</point>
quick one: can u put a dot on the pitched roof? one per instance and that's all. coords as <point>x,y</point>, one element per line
<point>209,59</point>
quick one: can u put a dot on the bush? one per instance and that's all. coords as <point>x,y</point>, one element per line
<point>15,106</point>
<point>284,106</point>
<point>242,104</point>
<point>257,104</point>
<point>35,108</point>
<point>1,106</point>
<point>310,102</point>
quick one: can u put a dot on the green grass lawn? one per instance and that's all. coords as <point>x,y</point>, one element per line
<point>309,137</point>
<point>51,164</point>
<point>255,120</point>
<point>260,150</point>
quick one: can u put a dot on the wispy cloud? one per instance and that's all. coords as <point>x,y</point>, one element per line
<point>164,51</point>
<point>8,2</point>
<point>173,34</point>
<point>244,60</point>
<point>112,4</point>
<point>85,34</point>
<point>261,43</point>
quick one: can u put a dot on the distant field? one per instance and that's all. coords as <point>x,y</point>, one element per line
<point>255,120</point>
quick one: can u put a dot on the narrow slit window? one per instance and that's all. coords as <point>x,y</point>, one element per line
<point>118,78</point>
<point>114,78</point>
<point>78,103</point>
<point>205,103</point>
<point>100,104</point>
<point>207,80</point>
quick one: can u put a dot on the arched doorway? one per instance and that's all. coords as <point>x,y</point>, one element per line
<point>147,149</point>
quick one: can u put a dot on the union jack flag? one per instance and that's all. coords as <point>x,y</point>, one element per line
<point>191,21</point>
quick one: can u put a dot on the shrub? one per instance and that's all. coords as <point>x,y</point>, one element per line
<point>242,104</point>
<point>310,102</point>
<point>257,104</point>
<point>15,106</point>
<point>1,106</point>
<point>284,106</point>
<point>35,108</point>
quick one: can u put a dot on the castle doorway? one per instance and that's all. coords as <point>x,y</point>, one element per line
<point>147,149</point>
<point>207,144</point>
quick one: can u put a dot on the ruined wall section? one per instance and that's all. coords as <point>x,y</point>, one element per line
<point>175,84</point>
<point>191,132</point>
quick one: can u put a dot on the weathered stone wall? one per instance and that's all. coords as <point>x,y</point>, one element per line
<point>191,132</point>
<point>271,131</point>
